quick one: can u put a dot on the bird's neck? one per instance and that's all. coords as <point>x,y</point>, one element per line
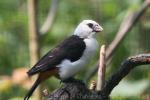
<point>91,35</point>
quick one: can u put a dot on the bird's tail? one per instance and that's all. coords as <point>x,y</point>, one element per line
<point>36,83</point>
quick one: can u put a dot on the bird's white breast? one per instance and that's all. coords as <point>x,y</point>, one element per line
<point>68,69</point>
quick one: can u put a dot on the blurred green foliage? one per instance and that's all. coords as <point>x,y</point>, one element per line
<point>14,51</point>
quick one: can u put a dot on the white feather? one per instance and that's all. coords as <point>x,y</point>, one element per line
<point>68,68</point>
<point>84,31</point>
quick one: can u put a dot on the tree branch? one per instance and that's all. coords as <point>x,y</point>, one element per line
<point>50,18</point>
<point>34,47</point>
<point>78,91</point>
<point>129,21</point>
<point>125,68</point>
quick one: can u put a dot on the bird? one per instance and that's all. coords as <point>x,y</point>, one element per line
<point>69,57</point>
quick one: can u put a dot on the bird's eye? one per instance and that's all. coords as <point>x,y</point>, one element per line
<point>90,25</point>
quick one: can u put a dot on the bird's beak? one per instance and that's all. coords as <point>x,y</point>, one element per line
<point>97,28</point>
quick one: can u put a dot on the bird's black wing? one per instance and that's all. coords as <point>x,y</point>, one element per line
<point>72,48</point>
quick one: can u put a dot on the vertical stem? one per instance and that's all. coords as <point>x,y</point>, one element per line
<point>102,69</point>
<point>33,38</point>
<point>33,32</point>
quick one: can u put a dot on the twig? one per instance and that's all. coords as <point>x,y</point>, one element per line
<point>50,18</point>
<point>45,92</point>
<point>129,21</point>
<point>93,85</point>
<point>101,70</point>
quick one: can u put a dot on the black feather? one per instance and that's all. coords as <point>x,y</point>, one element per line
<point>90,25</point>
<point>72,48</point>
<point>28,95</point>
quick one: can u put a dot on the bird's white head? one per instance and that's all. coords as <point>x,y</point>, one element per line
<point>87,29</point>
